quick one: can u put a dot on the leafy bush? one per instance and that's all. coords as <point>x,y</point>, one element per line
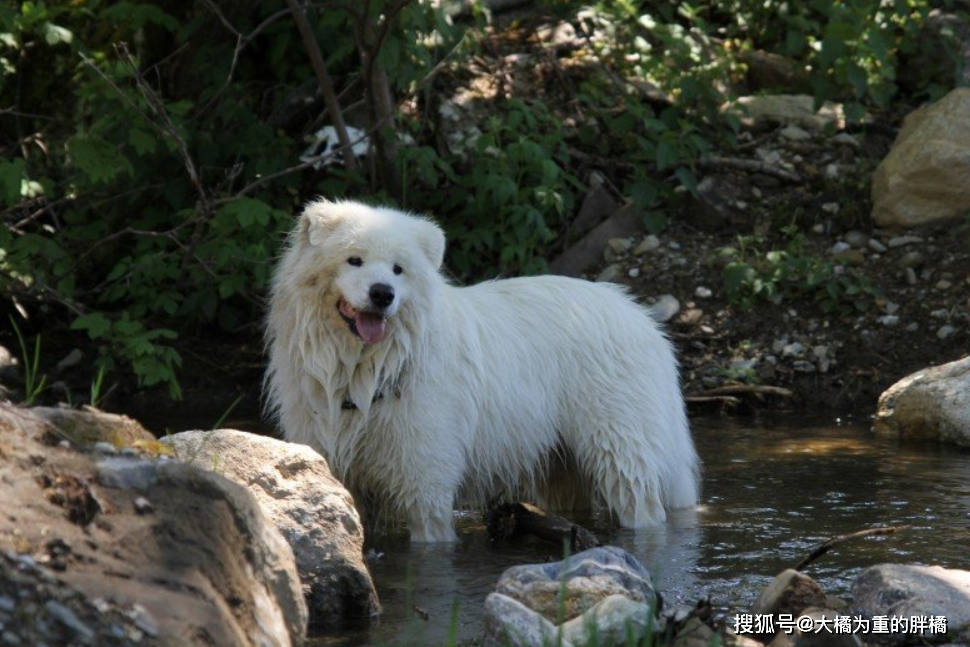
<point>751,275</point>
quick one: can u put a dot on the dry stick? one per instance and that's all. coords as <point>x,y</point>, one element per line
<point>323,79</point>
<point>821,549</point>
<point>745,389</point>
<point>751,166</point>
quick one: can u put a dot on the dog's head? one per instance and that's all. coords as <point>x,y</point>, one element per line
<point>372,263</point>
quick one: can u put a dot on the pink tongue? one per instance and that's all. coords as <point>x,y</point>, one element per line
<point>370,327</point>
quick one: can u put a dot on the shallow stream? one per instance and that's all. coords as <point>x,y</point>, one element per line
<point>773,489</point>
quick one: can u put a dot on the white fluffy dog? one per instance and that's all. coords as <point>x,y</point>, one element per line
<point>416,390</point>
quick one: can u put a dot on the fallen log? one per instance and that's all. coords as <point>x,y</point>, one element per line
<point>506,520</point>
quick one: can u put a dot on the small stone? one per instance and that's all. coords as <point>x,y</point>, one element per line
<point>666,307</point>
<point>912,327</point>
<point>703,292</point>
<point>634,272</point>
<point>7,604</point>
<point>942,313</point>
<point>673,244</point>
<point>104,447</point>
<point>794,133</point>
<point>840,247</point>
<point>831,207</point>
<point>943,284</point>
<point>756,192</point>
<point>854,257</point>
<point>820,352</point>
<point>143,506</point>
<point>707,330</point>
<point>890,307</point>
<point>609,273</point>
<point>793,350</point>
<point>832,171</point>
<point>912,260</point>
<point>876,246</point>
<point>803,366</point>
<point>902,241</point>
<point>648,244</point>
<point>66,617</point>
<point>888,320</point>
<point>778,345</point>
<point>857,239</point>
<point>910,276</point>
<point>619,245</point>
<point>818,228</point>
<point>845,139</point>
<point>70,360</point>
<point>946,331</point>
<point>691,316</point>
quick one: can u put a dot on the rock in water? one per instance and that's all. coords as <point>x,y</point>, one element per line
<point>313,511</point>
<point>924,177</point>
<point>932,404</point>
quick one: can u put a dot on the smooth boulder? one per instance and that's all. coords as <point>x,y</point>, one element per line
<point>313,511</point>
<point>924,178</point>
<point>931,404</point>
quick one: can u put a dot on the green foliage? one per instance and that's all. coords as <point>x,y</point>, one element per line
<point>751,276</point>
<point>34,382</point>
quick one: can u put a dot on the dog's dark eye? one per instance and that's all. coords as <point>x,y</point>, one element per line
<point>398,269</point>
<point>356,261</point>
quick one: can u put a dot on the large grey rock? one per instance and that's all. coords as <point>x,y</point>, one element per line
<point>932,404</point>
<point>923,179</point>
<point>604,587</point>
<point>906,590</point>
<point>313,511</point>
<point>79,426</point>
<point>185,552</point>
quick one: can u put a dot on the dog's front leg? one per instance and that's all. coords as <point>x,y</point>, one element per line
<point>431,522</point>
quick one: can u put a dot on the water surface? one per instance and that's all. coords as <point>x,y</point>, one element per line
<point>772,490</point>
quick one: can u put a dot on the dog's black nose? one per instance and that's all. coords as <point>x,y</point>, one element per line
<point>381,295</point>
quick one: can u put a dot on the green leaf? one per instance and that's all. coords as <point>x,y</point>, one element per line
<point>12,175</point>
<point>97,159</point>
<point>143,141</point>
<point>248,211</point>
<point>96,323</point>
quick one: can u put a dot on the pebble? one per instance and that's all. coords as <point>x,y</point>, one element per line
<point>620,245</point>
<point>913,327</point>
<point>818,228</point>
<point>665,308</point>
<point>673,244</point>
<point>803,366</point>
<point>831,207</point>
<point>888,320</point>
<point>648,244</point>
<point>857,239</point>
<point>70,360</point>
<point>910,276</point>
<point>946,331</point>
<point>793,349</point>
<point>840,247</point>
<point>794,133</point>
<point>877,246</point>
<point>707,330</point>
<point>143,506</point>
<point>703,292</point>
<point>609,273</point>
<point>943,284</point>
<point>820,352</point>
<point>911,260</point>
<point>634,272</point>
<point>103,447</point>
<point>756,192</point>
<point>10,638</point>
<point>845,139</point>
<point>779,344</point>
<point>832,171</point>
<point>891,307</point>
<point>7,604</point>
<point>901,241</point>
<point>942,313</point>
<point>67,618</point>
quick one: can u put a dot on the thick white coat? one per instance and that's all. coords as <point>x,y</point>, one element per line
<point>548,385</point>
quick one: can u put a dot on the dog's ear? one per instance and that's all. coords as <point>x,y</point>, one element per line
<point>318,221</point>
<point>432,240</point>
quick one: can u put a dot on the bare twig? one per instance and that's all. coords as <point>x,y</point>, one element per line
<point>751,166</point>
<point>745,389</point>
<point>823,548</point>
<point>323,79</point>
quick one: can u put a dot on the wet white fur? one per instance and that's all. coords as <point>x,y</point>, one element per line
<point>483,386</point>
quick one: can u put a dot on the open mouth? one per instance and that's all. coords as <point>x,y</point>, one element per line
<point>369,326</point>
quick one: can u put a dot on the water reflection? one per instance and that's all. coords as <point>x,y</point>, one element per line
<point>772,491</point>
